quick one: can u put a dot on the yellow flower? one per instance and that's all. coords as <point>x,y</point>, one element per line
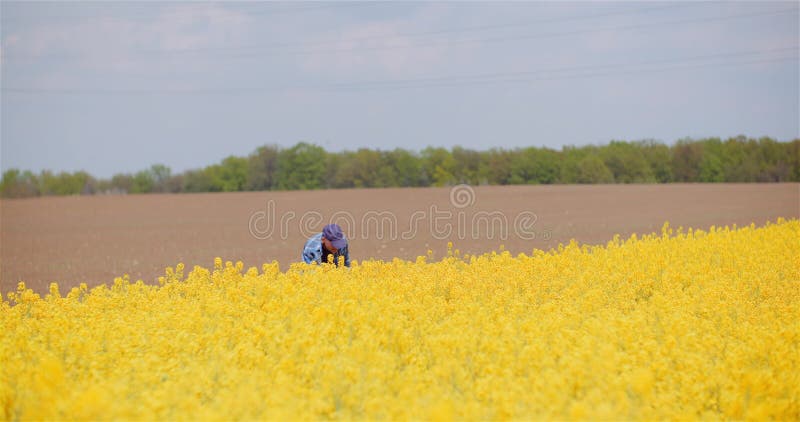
<point>681,324</point>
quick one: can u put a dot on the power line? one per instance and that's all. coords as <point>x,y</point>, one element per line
<point>139,14</point>
<point>425,33</point>
<point>795,48</point>
<point>329,5</point>
<point>228,49</point>
<point>439,42</point>
<point>795,59</point>
<point>517,38</point>
<point>575,72</point>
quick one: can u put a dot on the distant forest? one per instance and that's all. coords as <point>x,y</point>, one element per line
<point>308,166</point>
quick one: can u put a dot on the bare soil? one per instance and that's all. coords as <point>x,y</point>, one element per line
<point>93,239</point>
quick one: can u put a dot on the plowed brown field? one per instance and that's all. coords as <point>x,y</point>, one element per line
<point>94,239</point>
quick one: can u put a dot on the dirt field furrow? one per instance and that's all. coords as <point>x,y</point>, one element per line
<point>94,239</point>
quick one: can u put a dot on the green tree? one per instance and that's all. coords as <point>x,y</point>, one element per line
<point>84,182</point>
<point>340,170</point>
<point>232,174</point>
<point>467,165</point>
<point>570,165</point>
<point>174,184</point>
<point>407,167</point>
<point>366,167</point>
<point>65,183</point>
<point>18,184</point>
<point>498,166</point>
<point>301,167</point>
<point>102,186</point>
<point>711,168</point>
<point>775,165</point>
<point>592,169</point>
<point>687,157</point>
<point>198,181</point>
<point>387,175</point>
<point>627,163</point>
<point>308,166</point>
<point>740,160</point>
<point>143,182</point>
<point>439,166</point>
<point>121,183</point>
<point>793,154</point>
<point>261,168</point>
<point>160,175</point>
<point>659,159</point>
<point>534,166</point>
<point>49,183</point>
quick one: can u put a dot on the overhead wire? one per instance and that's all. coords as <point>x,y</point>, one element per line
<point>514,38</point>
<point>559,73</point>
<point>229,53</point>
<point>139,14</point>
<point>497,77</point>
<point>795,48</point>
<point>444,84</point>
<point>478,28</point>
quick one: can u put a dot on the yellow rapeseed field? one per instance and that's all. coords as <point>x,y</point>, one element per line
<point>677,325</point>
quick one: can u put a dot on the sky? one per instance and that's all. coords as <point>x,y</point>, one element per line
<point>114,87</point>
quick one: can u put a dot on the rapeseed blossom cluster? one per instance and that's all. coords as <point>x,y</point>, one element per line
<point>681,325</point>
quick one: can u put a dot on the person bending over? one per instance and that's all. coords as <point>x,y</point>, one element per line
<point>322,245</point>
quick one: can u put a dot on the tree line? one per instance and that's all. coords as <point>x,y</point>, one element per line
<point>308,166</point>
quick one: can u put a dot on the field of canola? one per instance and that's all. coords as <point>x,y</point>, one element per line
<point>682,324</point>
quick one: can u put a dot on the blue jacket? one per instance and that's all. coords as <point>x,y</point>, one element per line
<point>314,252</point>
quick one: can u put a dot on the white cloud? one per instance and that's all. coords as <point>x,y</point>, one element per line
<point>383,48</point>
<point>133,47</point>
